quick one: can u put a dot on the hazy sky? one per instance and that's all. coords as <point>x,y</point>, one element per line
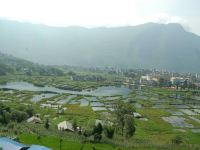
<point>92,13</point>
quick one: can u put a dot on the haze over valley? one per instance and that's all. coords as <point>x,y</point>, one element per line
<point>150,45</point>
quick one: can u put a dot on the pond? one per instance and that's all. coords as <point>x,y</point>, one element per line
<point>83,102</point>
<point>96,104</point>
<point>175,112</point>
<point>91,98</point>
<point>188,112</point>
<point>112,98</point>
<point>100,91</point>
<point>176,121</point>
<point>65,101</point>
<point>195,119</point>
<point>181,106</point>
<point>37,98</point>
<point>137,105</point>
<point>196,110</point>
<point>141,97</point>
<point>99,108</point>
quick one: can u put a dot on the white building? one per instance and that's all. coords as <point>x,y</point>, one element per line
<point>34,119</point>
<point>65,126</point>
<point>175,80</point>
<point>147,78</point>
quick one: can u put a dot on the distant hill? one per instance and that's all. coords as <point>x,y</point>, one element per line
<point>13,65</point>
<point>148,45</point>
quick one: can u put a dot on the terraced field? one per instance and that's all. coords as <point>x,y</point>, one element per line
<point>161,115</point>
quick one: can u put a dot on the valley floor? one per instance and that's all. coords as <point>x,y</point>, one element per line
<point>162,117</point>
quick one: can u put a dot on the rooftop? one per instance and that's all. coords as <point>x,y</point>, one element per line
<point>8,144</point>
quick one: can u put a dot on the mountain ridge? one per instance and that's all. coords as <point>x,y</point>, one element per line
<point>150,45</point>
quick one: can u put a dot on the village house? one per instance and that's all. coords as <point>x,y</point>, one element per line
<point>52,106</point>
<point>65,126</point>
<point>137,115</point>
<point>180,80</point>
<point>148,79</point>
<point>34,119</point>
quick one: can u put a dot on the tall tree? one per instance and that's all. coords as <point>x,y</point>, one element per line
<point>129,125</point>
<point>97,132</point>
<point>74,125</point>
<point>109,131</point>
<point>122,109</point>
<point>47,124</point>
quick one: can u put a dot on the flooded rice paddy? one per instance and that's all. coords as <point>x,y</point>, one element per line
<point>100,91</point>
<point>179,115</point>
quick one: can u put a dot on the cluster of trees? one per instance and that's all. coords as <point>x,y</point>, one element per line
<point>96,133</point>
<point>123,124</point>
<point>130,74</point>
<point>47,124</point>
<point>49,71</point>
<point>162,82</point>
<point>185,85</point>
<point>87,77</point>
<point>109,131</point>
<point>17,115</point>
<point>4,69</point>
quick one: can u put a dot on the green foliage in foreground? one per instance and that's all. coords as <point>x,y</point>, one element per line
<point>54,142</point>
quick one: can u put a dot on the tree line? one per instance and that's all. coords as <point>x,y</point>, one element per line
<point>19,114</point>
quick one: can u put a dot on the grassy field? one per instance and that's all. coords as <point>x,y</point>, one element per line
<point>54,142</point>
